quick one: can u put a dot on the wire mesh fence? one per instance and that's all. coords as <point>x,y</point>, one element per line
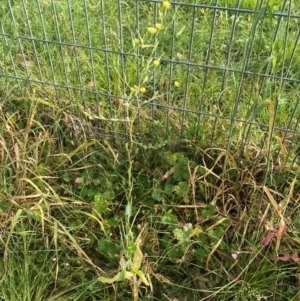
<point>218,72</point>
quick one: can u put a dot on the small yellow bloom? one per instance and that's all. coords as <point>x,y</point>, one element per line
<point>142,89</point>
<point>166,4</point>
<point>136,42</point>
<point>132,90</point>
<point>158,26</point>
<point>156,63</point>
<point>152,30</point>
<point>176,84</point>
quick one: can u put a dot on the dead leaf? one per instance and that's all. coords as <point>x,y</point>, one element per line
<point>119,277</point>
<point>148,170</point>
<point>279,234</point>
<point>295,257</point>
<point>170,172</point>
<point>285,257</point>
<point>78,180</point>
<point>235,254</point>
<point>272,200</point>
<point>180,56</point>
<point>137,257</point>
<point>267,239</point>
<point>90,84</point>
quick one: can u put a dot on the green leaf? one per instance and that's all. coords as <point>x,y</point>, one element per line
<point>137,257</point>
<point>182,235</point>
<point>108,248</point>
<point>179,234</point>
<point>88,174</point>
<point>297,220</point>
<point>197,230</point>
<point>100,203</point>
<point>209,211</point>
<point>259,16</point>
<point>66,177</point>
<point>119,277</point>
<point>128,210</point>
<point>202,253</point>
<point>102,181</point>
<point>169,219</point>
<point>109,194</point>
<point>8,47</point>
<point>168,188</point>
<point>157,194</point>
<point>182,173</point>
<point>202,238</point>
<point>175,253</point>
<point>98,197</point>
<point>182,189</point>
<point>216,233</point>
<point>4,205</point>
<point>142,277</point>
<point>131,247</point>
<point>177,158</point>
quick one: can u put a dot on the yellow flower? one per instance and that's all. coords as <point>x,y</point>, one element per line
<point>136,42</point>
<point>166,4</point>
<point>156,63</point>
<point>152,30</point>
<point>176,84</point>
<point>142,89</point>
<point>158,26</point>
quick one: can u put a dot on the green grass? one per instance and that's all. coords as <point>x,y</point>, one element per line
<point>168,211</point>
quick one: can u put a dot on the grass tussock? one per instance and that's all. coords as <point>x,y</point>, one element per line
<point>190,223</point>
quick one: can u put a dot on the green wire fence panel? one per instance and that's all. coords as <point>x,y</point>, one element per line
<point>215,71</point>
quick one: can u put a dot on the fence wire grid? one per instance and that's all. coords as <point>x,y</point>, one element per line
<point>212,71</point>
